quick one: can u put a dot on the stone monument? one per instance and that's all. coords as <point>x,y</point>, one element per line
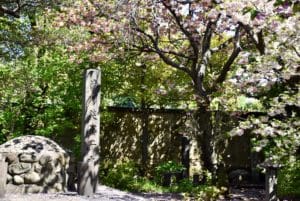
<point>88,168</point>
<point>271,179</point>
<point>33,164</point>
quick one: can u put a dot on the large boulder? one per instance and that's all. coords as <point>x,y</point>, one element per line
<point>35,164</point>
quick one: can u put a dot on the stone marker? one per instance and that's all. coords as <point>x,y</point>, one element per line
<point>271,180</point>
<point>88,168</point>
<point>3,173</point>
<point>34,164</point>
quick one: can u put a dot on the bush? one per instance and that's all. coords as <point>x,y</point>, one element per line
<point>183,186</point>
<point>169,167</point>
<point>121,176</point>
<point>289,180</point>
<point>207,193</point>
<point>126,177</point>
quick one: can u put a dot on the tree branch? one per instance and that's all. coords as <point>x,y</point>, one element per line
<point>207,38</point>
<point>170,62</point>
<point>222,46</point>
<point>296,51</point>
<point>259,42</point>
<point>160,52</point>
<point>9,12</point>
<point>237,49</point>
<point>176,54</point>
<point>206,52</point>
<point>193,43</point>
<point>208,34</point>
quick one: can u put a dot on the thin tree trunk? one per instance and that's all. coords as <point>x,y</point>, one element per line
<point>145,124</point>
<point>144,141</point>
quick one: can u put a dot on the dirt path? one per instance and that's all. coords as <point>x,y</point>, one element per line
<point>247,194</point>
<point>105,193</point>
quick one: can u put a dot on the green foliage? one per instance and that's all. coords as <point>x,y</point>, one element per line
<point>184,186</point>
<point>207,193</point>
<point>289,180</point>
<point>169,167</point>
<point>248,104</point>
<point>125,176</point>
<point>128,83</point>
<point>124,102</point>
<point>202,192</point>
<point>14,33</point>
<point>121,176</point>
<point>146,185</point>
<point>40,95</point>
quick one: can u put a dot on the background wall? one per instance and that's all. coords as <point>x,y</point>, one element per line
<point>124,128</point>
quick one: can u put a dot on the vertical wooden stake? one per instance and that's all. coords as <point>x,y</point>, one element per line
<point>89,166</point>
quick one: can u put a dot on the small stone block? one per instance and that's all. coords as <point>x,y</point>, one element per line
<point>19,168</point>
<point>32,178</point>
<point>29,157</point>
<point>18,180</point>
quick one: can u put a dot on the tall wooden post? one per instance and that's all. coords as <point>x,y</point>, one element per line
<point>89,166</point>
<point>3,173</point>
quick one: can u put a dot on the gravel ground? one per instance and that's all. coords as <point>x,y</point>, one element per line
<point>105,193</point>
<point>246,194</point>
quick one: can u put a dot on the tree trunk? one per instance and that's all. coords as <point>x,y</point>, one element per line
<point>145,124</point>
<point>185,155</point>
<point>144,141</point>
<point>205,129</point>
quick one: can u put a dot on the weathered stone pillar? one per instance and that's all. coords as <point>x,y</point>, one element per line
<point>3,175</point>
<point>89,166</point>
<point>271,184</point>
<point>271,180</point>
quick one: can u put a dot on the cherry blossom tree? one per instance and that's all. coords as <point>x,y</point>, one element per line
<point>203,39</point>
<point>273,78</point>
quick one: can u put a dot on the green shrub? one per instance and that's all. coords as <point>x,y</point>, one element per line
<point>122,176</point>
<point>125,177</point>
<point>146,185</point>
<point>169,167</point>
<point>289,180</point>
<point>207,193</point>
<point>183,186</point>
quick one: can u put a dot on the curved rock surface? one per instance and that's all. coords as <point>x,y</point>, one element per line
<point>32,160</point>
